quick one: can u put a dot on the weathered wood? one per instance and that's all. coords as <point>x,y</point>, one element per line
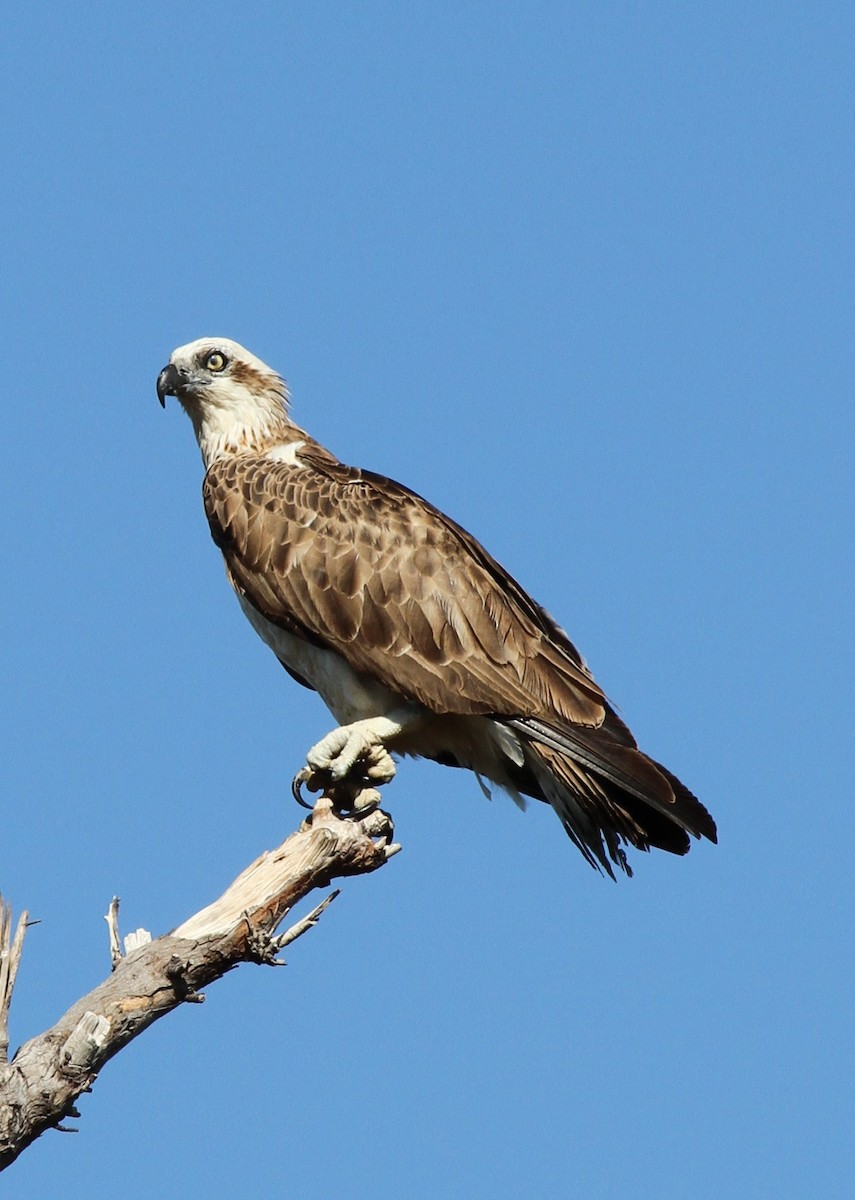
<point>10,960</point>
<point>39,1086</point>
<point>112,918</point>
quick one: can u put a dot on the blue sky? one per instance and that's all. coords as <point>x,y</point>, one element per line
<point>581,274</point>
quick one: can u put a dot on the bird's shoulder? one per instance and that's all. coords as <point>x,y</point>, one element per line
<point>304,485</point>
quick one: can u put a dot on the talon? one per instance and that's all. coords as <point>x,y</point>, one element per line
<point>309,777</point>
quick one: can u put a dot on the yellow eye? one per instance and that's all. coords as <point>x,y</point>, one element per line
<point>216,361</point>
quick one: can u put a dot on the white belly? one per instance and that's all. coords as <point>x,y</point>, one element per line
<point>479,743</point>
<point>348,695</point>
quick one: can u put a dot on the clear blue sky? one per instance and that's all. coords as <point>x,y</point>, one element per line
<point>581,274</point>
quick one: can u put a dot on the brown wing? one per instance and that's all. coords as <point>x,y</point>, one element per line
<point>357,563</point>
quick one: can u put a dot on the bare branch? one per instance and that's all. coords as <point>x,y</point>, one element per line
<point>10,959</point>
<point>112,918</point>
<point>39,1087</point>
<point>307,923</point>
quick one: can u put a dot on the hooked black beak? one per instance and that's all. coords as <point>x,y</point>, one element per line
<point>168,382</point>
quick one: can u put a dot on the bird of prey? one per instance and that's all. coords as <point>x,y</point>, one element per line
<point>418,641</point>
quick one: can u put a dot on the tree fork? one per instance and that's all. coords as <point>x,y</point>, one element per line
<point>47,1074</point>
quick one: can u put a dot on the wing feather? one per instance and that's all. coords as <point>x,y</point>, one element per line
<point>360,564</point>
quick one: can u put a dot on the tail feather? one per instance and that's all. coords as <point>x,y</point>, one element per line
<point>609,794</point>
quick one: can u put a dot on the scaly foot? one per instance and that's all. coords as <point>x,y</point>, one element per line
<point>348,759</point>
<point>362,742</point>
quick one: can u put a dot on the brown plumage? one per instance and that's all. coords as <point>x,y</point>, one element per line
<point>414,601</point>
<point>355,564</point>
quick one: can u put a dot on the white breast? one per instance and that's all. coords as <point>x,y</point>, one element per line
<point>480,743</point>
<point>348,695</point>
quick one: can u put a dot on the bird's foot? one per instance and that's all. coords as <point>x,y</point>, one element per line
<point>362,743</point>
<point>348,765</point>
<point>349,797</point>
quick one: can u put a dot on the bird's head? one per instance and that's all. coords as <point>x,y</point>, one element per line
<point>235,401</point>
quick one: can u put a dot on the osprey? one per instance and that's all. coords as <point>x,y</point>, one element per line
<point>418,641</point>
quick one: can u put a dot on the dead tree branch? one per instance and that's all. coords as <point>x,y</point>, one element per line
<point>47,1074</point>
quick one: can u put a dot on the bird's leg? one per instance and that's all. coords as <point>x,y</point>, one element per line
<point>354,755</point>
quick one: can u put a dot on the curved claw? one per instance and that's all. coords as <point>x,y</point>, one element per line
<point>343,801</point>
<point>302,776</point>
